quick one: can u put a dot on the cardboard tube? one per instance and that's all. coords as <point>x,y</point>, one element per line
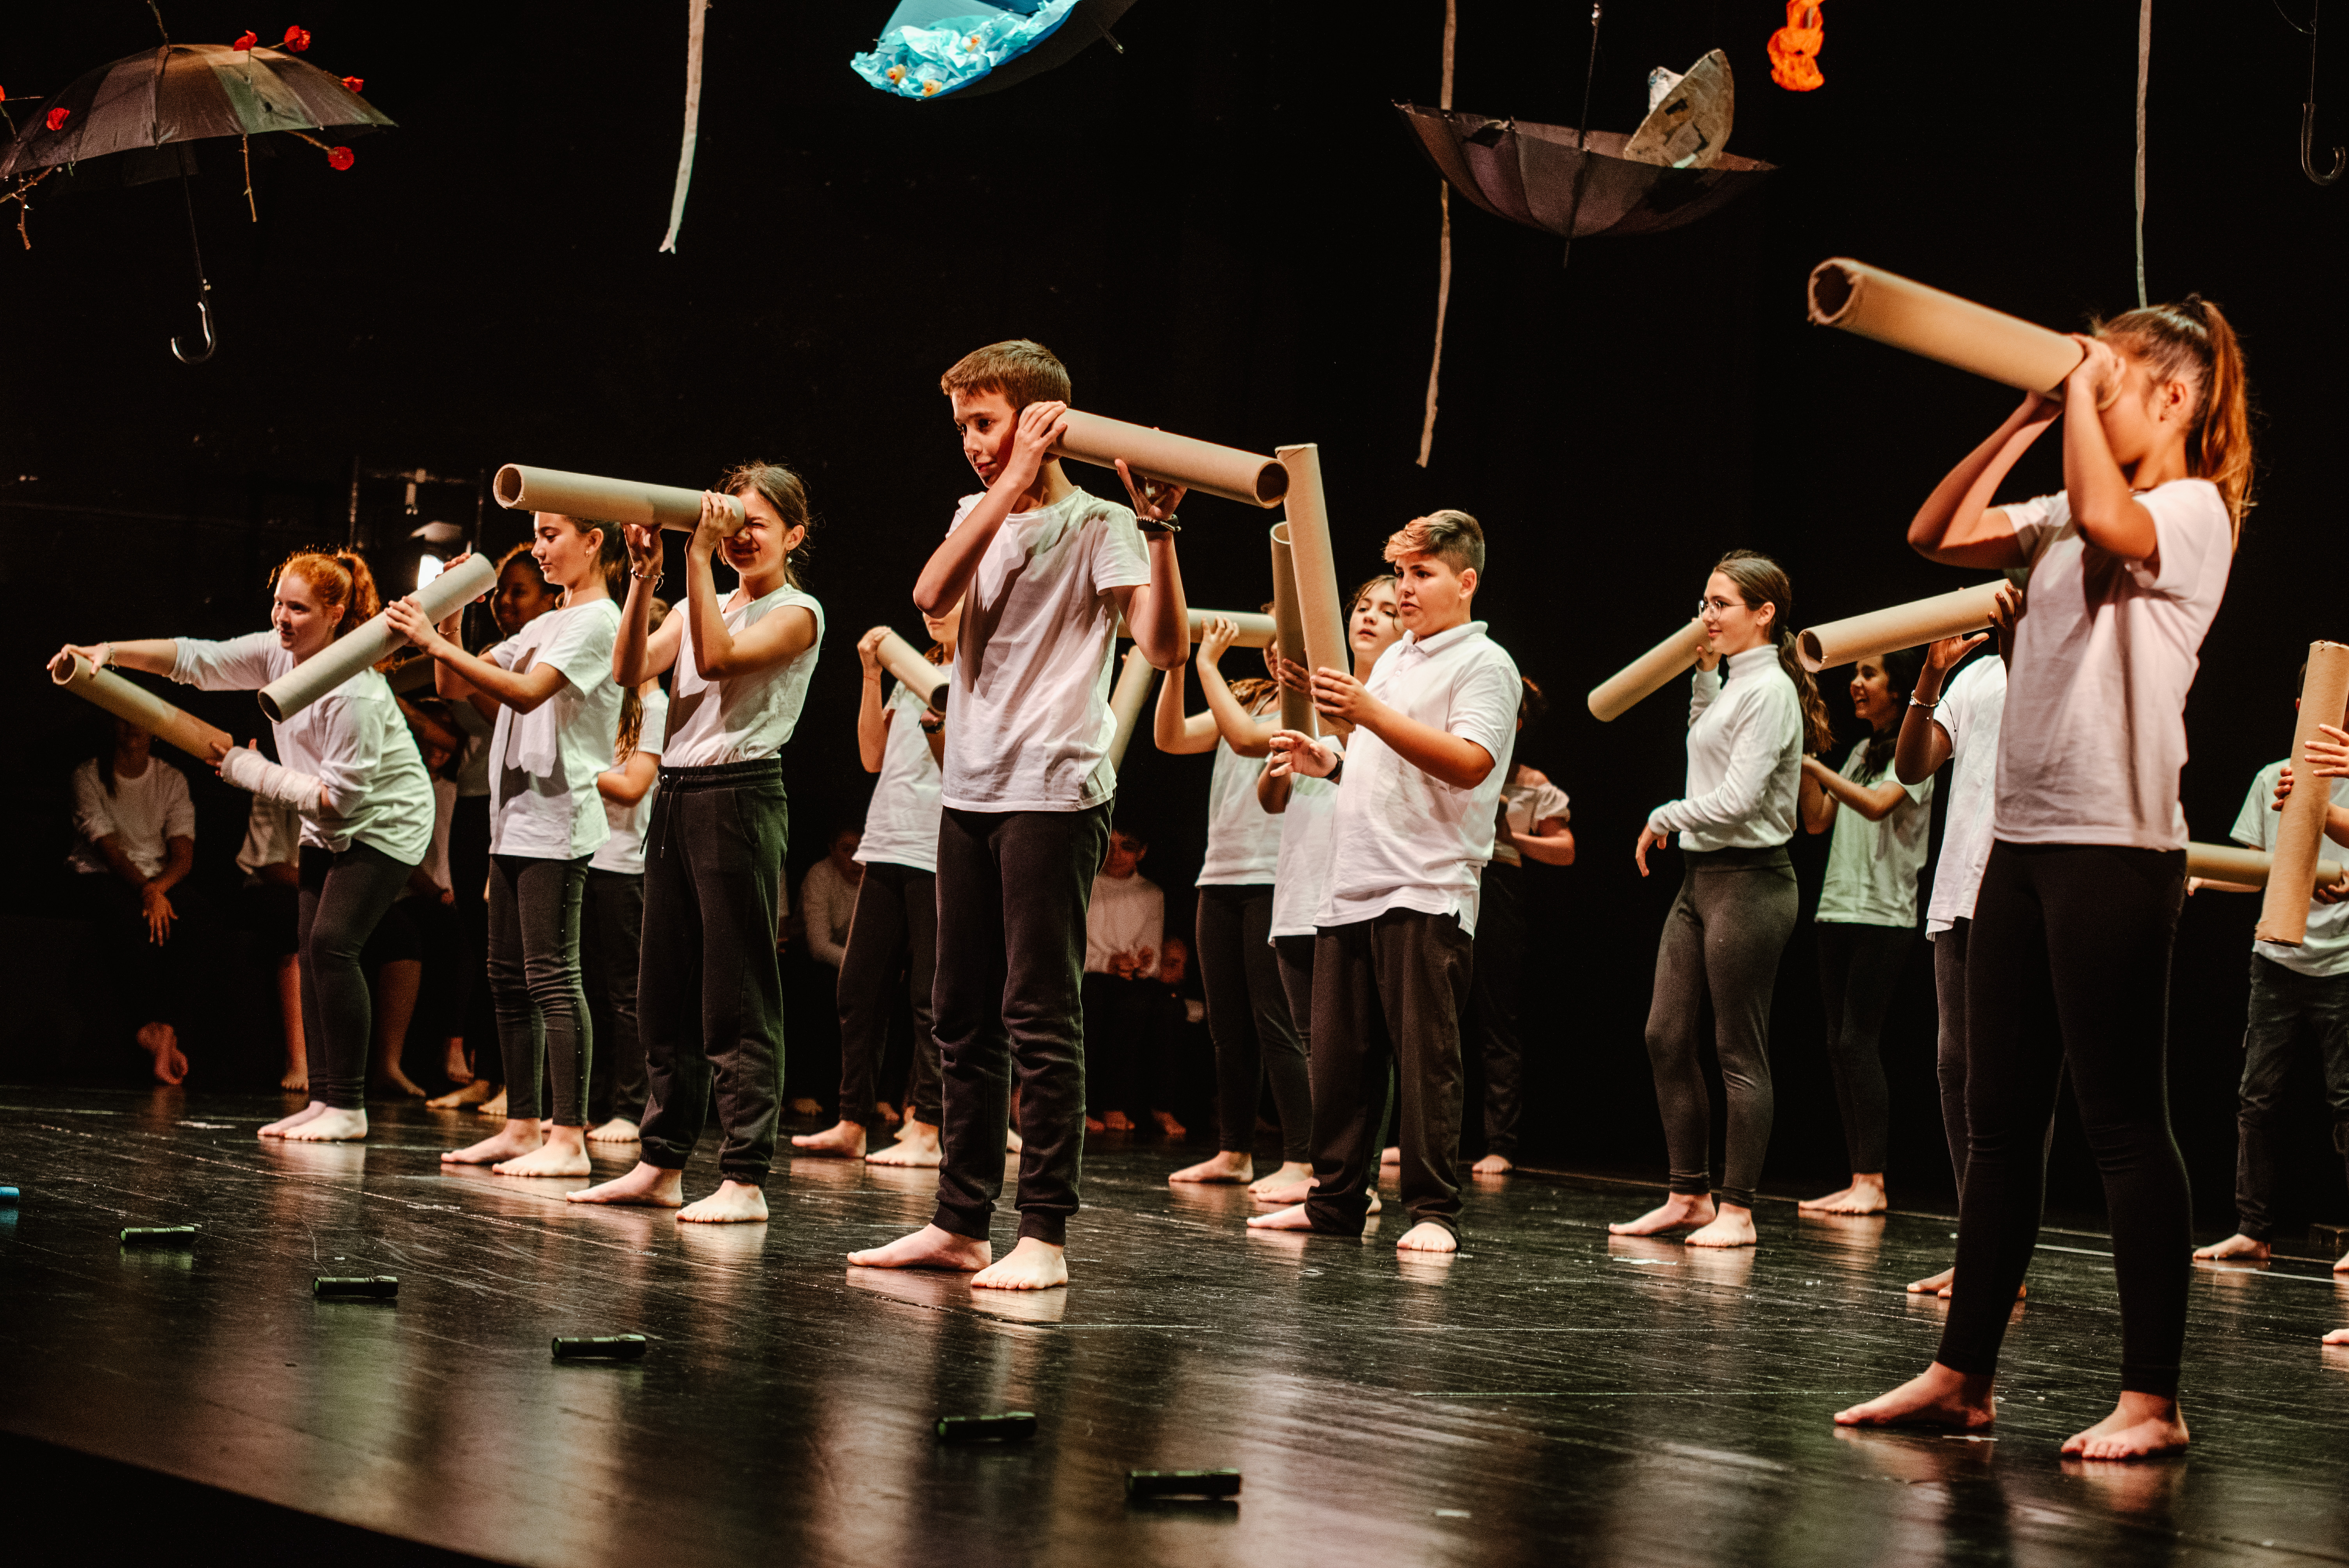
<point>1909,625</point>
<point>1247,478</point>
<point>352,652</point>
<point>1316,568</point>
<point>1612,699</point>
<point>1126,700</point>
<point>2234,863</point>
<point>922,677</point>
<point>410,677</point>
<point>1257,629</point>
<point>2323,694</point>
<point>128,700</point>
<point>1289,624</point>
<point>1895,310</point>
<point>521,489</point>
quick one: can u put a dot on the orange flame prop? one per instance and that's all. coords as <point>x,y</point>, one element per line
<point>1794,47</point>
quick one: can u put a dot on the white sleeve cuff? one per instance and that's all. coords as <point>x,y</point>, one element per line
<point>248,769</point>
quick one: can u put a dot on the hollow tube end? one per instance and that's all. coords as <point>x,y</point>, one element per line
<point>1271,484</point>
<point>1834,287</point>
<point>1807,649</point>
<point>508,486</point>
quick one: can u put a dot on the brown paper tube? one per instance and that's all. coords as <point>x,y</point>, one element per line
<point>1289,624</point>
<point>411,678</point>
<point>592,496</point>
<point>1248,478</point>
<point>1895,310</point>
<point>1257,629</point>
<point>1909,625</point>
<point>2323,694</point>
<point>1126,700</point>
<point>1646,675</point>
<point>129,700</point>
<point>922,677</point>
<point>1316,568</point>
<point>374,641</point>
<point>2234,863</point>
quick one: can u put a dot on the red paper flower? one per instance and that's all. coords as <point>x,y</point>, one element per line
<point>354,83</point>
<point>339,158</point>
<point>297,38</point>
<point>4,95</point>
<point>247,41</point>
<point>57,118</point>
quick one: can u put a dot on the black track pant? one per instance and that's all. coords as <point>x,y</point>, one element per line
<point>1249,1019</point>
<point>1497,986</point>
<point>892,935</point>
<point>2295,1018</point>
<point>1859,969</point>
<point>612,940</point>
<point>343,897</point>
<point>2068,971</point>
<point>542,1029</point>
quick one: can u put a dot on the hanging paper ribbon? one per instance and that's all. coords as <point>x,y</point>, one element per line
<point>2144,67</point>
<point>694,12</point>
<point>1443,246</point>
<point>1795,48</point>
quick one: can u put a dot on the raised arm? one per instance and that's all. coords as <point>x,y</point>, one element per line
<point>1873,801</point>
<point>1155,613</point>
<point>2110,518</point>
<point>947,575</point>
<point>872,716</point>
<point>640,652</point>
<point>719,652</point>
<point>1249,735</point>
<point>456,673</point>
<point>149,656</point>
<point>1957,526</point>
<point>1174,732</point>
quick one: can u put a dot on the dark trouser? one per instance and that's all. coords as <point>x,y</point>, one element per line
<point>1013,888</point>
<point>710,997</point>
<point>1124,1066</point>
<point>543,1028</point>
<point>612,939</point>
<point>894,932</point>
<point>1721,940</point>
<point>1496,985</point>
<point>436,1002</point>
<point>1387,994</point>
<point>343,897</point>
<point>2294,1018</point>
<point>469,876</point>
<point>1949,1049</point>
<point>1859,968</point>
<point>2068,971</point>
<point>148,978</point>
<point>1295,956</point>
<point>1249,1019</point>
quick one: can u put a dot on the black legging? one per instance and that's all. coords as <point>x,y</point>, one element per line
<point>1859,968</point>
<point>612,927</point>
<point>534,985</point>
<point>469,876</point>
<point>1249,1018</point>
<point>2067,970</point>
<point>1496,987</point>
<point>894,932</point>
<point>343,896</point>
<point>1949,1049</point>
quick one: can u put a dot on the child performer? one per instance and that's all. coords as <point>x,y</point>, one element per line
<point>1048,570</point>
<point>1418,797</point>
<point>710,997</point>
<point>2068,969</point>
<point>350,768</point>
<point>1248,1017</point>
<point>894,928</point>
<point>1737,899</point>
<point>558,711</point>
<point>1867,914</point>
<point>611,912</point>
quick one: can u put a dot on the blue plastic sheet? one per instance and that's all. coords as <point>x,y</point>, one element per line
<point>931,47</point>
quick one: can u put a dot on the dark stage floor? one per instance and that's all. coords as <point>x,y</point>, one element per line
<point>1546,1396</point>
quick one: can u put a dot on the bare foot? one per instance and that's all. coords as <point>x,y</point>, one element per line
<point>916,1146</point>
<point>565,1153</point>
<point>734,1203</point>
<point>329,1126</point>
<point>472,1092</point>
<point>1289,1219</point>
<point>295,1081</point>
<point>646,1187</point>
<point>161,1042</point>
<point>1427,1237</point>
<point>515,1140</point>
<point>1934,1285</point>
<point>397,1082</point>
<point>887,1113</point>
<point>1093,1124</point>
<point>278,1129</point>
<point>1032,1265</point>
<point>495,1105</point>
<point>1298,1173</point>
<point>1492,1165</point>
<point>619,1130</point>
<point>453,1064</point>
<point>1864,1196</point>
<point>2141,1426</point>
<point>1287,1192</point>
<point>2342,1266</point>
<point>803,1106</point>
<point>1116,1121</point>
<point>1734,1228</point>
<point>2238,1248</point>
<point>927,1248</point>
<point>2338,1337</point>
<point>1679,1211</point>
<point>841,1140</point>
<point>1228,1168</point>
<point>1168,1126</point>
<point>1391,1157</point>
<point>1938,1397</point>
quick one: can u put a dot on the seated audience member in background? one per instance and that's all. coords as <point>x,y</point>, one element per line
<point>828,899</point>
<point>1126,928</point>
<point>1182,1051</point>
<point>136,843</point>
<point>270,905</point>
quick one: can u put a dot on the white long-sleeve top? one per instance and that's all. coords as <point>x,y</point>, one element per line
<point>1745,757</point>
<point>353,740</point>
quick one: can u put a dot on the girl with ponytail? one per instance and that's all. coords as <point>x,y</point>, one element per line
<point>1737,898</point>
<point>2067,967</point>
<point>348,766</point>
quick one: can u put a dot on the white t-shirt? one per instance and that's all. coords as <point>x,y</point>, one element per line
<point>354,740</point>
<point>746,718</point>
<point>543,803</point>
<point>435,864</point>
<point>474,771</point>
<point>1125,914</point>
<point>146,812</point>
<point>827,907</point>
<point>1303,880</point>
<point>1872,866</point>
<point>624,852</point>
<point>1028,723</point>
<point>1243,837</point>
<point>1969,714</point>
<point>900,825</point>
<point>2326,951</point>
<point>1404,839</point>
<point>273,837</point>
<point>1745,757</point>
<point>2104,653</point>
<point>1525,806</point>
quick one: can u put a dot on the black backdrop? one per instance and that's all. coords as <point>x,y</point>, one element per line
<point>1222,231</point>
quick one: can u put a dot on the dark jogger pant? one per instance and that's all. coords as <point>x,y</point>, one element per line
<point>612,940</point>
<point>710,997</point>
<point>894,934</point>
<point>2294,1018</point>
<point>1859,969</point>
<point>343,896</point>
<point>2067,970</point>
<point>1013,888</point>
<point>1249,1018</point>
<point>1496,985</point>
<point>542,1029</point>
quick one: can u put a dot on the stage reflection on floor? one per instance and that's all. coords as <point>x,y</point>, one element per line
<point>1548,1394</point>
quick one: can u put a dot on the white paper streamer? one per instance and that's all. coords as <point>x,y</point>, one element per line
<point>694,11</point>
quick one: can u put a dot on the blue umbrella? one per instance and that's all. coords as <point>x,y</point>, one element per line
<point>929,48</point>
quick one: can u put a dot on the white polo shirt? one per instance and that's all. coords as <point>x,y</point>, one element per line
<point>1404,839</point>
